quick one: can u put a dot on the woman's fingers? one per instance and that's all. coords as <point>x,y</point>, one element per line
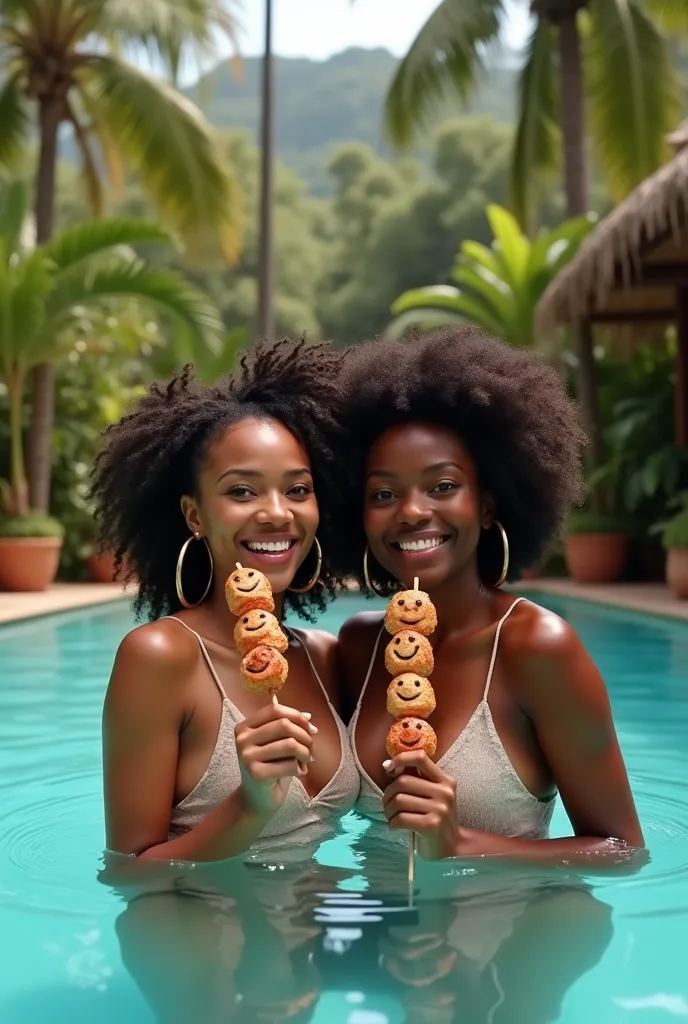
<point>405,803</point>
<point>417,759</point>
<point>274,712</point>
<point>442,792</point>
<point>281,728</point>
<point>282,749</point>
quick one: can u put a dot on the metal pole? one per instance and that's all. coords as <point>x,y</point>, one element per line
<point>266,285</point>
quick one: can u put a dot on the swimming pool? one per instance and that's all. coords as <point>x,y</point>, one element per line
<point>303,939</point>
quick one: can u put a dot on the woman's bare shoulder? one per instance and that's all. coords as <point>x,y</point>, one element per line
<point>154,661</point>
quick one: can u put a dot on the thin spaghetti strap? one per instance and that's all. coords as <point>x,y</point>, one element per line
<point>495,645</point>
<point>370,670</point>
<point>204,651</point>
<point>292,632</point>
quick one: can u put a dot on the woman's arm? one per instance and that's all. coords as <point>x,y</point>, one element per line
<point>146,708</point>
<point>563,694</point>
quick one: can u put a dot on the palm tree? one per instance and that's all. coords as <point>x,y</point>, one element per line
<point>607,55</point>
<point>43,289</point>
<point>61,63</point>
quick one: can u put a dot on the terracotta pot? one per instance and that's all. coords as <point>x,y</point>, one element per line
<point>677,572</point>
<point>101,567</point>
<point>595,557</point>
<point>28,563</point>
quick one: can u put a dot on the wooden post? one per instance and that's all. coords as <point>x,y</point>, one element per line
<point>681,395</point>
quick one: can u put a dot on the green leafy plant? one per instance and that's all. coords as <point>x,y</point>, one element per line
<point>498,286</point>
<point>45,289</point>
<point>33,525</point>
<point>674,531</point>
<point>589,521</point>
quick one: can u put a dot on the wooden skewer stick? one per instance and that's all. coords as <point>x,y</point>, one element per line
<point>412,835</point>
<point>239,565</point>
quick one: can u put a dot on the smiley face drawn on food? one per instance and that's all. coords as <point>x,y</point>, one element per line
<point>264,670</point>
<point>409,651</point>
<point>248,589</point>
<point>257,627</point>
<point>411,734</point>
<point>410,694</point>
<point>411,609</point>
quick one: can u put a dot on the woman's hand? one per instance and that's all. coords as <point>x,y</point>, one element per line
<point>273,746</point>
<point>422,799</point>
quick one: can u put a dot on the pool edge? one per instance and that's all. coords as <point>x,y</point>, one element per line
<point>643,598</point>
<point>61,597</point>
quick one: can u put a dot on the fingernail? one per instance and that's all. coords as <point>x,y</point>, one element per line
<point>307,715</point>
<point>312,728</point>
<point>312,757</point>
<point>386,764</point>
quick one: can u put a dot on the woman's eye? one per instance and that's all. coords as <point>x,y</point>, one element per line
<point>382,495</point>
<point>301,491</point>
<point>445,486</point>
<point>241,491</point>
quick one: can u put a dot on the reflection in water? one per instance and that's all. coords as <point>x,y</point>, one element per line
<point>263,943</point>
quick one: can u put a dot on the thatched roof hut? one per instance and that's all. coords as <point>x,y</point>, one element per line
<point>633,269</point>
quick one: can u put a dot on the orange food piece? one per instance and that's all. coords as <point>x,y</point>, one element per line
<point>411,734</point>
<point>411,609</point>
<point>247,590</point>
<point>264,670</point>
<point>256,628</point>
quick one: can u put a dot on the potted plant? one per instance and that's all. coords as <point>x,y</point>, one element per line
<point>41,291</point>
<point>595,546</point>
<point>674,533</point>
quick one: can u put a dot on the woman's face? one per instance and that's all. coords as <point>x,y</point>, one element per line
<point>423,509</point>
<point>255,502</point>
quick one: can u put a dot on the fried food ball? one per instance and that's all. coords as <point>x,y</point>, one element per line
<point>248,589</point>
<point>257,627</point>
<point>409,651</point>
<point>264,670</point>
<point>410,694</point>
<point>411,609</point>
<point>411,734</point>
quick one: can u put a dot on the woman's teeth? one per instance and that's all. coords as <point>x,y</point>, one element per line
<point>421,545</point>
<point>272,545</point>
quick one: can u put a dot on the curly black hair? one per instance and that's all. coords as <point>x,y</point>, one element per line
<point>151,457</point>
<point>508,406</point>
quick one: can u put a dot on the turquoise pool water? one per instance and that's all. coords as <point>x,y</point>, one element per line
<point>319,936</point>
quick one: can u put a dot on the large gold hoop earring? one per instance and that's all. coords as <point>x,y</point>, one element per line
<point>316,575</point>
<point>178,575</point>
<point>505,562</point>
<point>366,575</point>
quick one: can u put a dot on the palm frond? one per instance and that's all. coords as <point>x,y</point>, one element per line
<point>633,92</point>
<point>172,148</point>
<point>449,300</point>
<point>13,214</point>
<point>669,15</point>
<point>422,320</point>
<point>14,121</point>
<point>444,55</point>
<point>537,145</point>
<point>170,292</point>
<point>30,283</point>
<point>73,245</point>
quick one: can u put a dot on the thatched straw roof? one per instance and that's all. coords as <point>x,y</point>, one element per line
<point>629,267</point>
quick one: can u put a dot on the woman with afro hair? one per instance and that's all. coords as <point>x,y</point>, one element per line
<point>194,480</point>
<point>465,456</point>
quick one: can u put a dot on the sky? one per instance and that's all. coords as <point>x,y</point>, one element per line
<point>319,28</point>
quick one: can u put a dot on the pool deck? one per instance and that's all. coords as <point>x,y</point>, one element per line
<point>650,598</point>
<point>61,597</point>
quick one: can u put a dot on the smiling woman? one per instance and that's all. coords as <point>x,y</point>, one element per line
<point>464,459</point>
<point>194,481</point>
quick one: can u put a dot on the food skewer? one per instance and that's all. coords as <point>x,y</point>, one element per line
<point>410,618</point>
<point>257,634</point>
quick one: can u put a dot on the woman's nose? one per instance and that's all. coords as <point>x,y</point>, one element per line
<point>275,510</point>
<point>413,510</point>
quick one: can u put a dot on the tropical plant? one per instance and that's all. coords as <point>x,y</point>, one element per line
<point>44,289</point>
<point>498,286</point>
<point>63,62</point>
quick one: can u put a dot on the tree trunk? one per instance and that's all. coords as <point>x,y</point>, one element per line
<point>266,284</point>
<point>43,398</point>
<point>573,125</point>
<point>15,386</point>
